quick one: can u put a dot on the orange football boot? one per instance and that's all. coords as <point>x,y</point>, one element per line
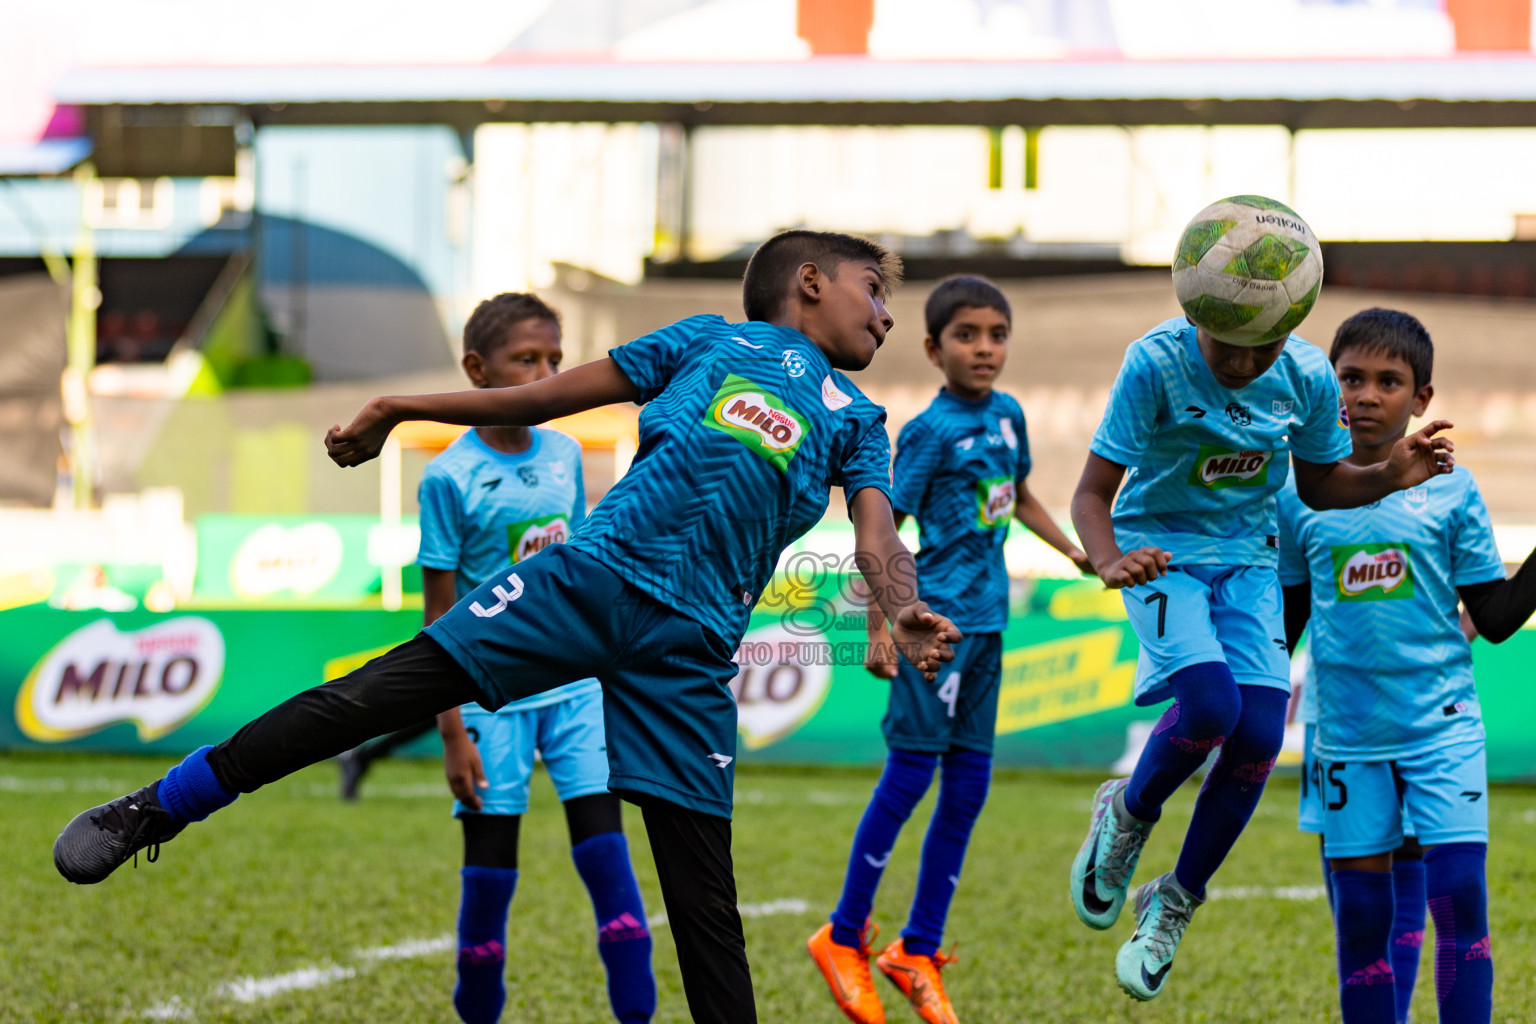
<point>847,972</point>
<point>919,980</point>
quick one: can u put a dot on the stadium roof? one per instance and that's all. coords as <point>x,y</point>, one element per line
<point>1475,91</point>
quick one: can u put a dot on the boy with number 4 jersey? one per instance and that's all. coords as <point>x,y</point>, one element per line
<point>1399,728</point>
<point>1201,432</point>
<point>960,470</point>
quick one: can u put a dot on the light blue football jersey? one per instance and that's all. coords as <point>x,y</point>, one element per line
<point>482,509</point>
<point>1205,462</point>
<point>958,468</point>
<point>1393,671</point>
<point>745,429</point>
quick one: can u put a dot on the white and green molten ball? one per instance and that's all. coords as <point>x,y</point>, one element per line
<point>1248,270</point>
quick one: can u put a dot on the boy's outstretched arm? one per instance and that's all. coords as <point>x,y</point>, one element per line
<point>1033,515</point>
<point>1091,516</point>
<point>921,635</point>
<point>1413,460</point>
<point>588,386</point>
<point>1498,608</point>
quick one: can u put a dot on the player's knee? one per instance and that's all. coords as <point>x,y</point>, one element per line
<point>1209,704</point>
<point>963,785</point>
<point>906,778</point>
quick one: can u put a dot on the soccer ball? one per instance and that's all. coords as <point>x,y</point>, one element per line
<point>1248,270</point>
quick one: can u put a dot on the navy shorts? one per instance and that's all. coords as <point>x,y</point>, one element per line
<point>957,711</point>
<point>561,616</point>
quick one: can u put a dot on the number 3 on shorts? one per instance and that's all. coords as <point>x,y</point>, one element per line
<point>949,691</point>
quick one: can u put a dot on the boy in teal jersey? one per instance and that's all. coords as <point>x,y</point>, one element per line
<point>960,470</point>
<point>498,495</point>
<point>746,428</point>
<point>1201,433</point>
<point>1399,729</point>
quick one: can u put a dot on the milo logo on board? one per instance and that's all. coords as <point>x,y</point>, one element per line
<point>995,499</point>
<point>1216,467</point>
<point>1373,572</point>
<point>758,419</point>
<point>531,536</point>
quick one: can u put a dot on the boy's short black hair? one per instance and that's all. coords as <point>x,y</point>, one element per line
<point>488,325</point>
<point>955,293</point>
<point>1391,333</point>
<point>766,282</point>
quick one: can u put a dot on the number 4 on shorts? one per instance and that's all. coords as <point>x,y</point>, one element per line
<point>949,691</point>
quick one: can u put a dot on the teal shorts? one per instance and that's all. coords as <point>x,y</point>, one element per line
<point>1444,791</point>
<point>568,737</point>
<point>957,711</point>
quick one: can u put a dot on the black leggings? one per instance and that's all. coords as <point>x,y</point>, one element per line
<point>490,840</point>
<point>418,680</point>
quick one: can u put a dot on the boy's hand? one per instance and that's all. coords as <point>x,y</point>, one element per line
<point>924,638</point>
<point>1136,567</point>
<point>1084,564</point>
<point>1421,455</point>
<point>466,774</point>
<point>363,438</point>
<point>880,655</point>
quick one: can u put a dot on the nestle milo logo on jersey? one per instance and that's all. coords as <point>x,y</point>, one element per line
<point>1217,467</point>
<point>531,536</point>
<point>1373,572</point>
<point>758,419</point>
<point>995,498</point>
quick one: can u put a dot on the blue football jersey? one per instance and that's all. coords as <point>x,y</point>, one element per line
<point>482,509</point>
<point>1393,671</point>
<point>1205,462</point>
<point>958,468</point>
<point>745,429</point>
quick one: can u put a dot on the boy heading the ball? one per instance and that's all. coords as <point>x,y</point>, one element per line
<point>1399,728</point>
<point>746,428</point>
<point>1202,434</point>
<point>961,469</point>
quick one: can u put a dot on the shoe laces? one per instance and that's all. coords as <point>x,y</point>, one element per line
<point>942,959</point>
<point>122,811</point>
<point>1168,926</point>
<point>1115,867</point>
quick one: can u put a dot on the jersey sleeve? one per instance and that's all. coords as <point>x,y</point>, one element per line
<point>1323,437</point>
<point>650,361</point>
<point>1293,568</point>
<point>917,459</point>
<point>866,461</point>
<point>1474,554</point>
<point>442,521</point>
<point>1026,463</point>
<point>1126,429</point>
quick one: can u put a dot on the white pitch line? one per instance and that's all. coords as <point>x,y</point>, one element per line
<point>1260,892</point>
<point>248,990</point>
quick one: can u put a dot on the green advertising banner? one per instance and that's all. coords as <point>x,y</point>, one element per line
<point>141,681</point>
<point>309,559</point>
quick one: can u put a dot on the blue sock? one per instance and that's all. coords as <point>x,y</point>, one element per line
<point>1363,927</point>
<point>190,792</point>
<point>1407,929</point>
<point>623,938</point>
<point>901,786</point>
<point>963,783</point>
<point>1203,714</point>
<point>1457,887</point>
<point>1233,787</point>
<point>485,895</point>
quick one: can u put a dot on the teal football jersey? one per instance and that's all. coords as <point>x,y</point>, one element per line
<point>1392,670</point>
<point>1205,462</point>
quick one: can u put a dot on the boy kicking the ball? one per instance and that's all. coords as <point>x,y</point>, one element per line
<point>1202,432</point>
<point>1399,729</point>
<point>746,427</point>
<point>960,469</point>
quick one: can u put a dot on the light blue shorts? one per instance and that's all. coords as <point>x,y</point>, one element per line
<point>1204,613</point>
<point>568,737</point>
<point>1311,817</point>
<point>1444,791</point>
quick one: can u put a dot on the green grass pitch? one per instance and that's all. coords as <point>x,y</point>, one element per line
<point>291,906</point>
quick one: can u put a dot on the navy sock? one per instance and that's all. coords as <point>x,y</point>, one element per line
<point>1233,787</point>
<point>623,938</point>
<point>485,895</point>
<point>1457,887</point>
<point>963,783</point>
<point>1362,925</point>
<point>1407,929</point>
<point>190,792</point>
<point>1203,714</point>
<point>901,786</point>
<point>1327,877</point>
